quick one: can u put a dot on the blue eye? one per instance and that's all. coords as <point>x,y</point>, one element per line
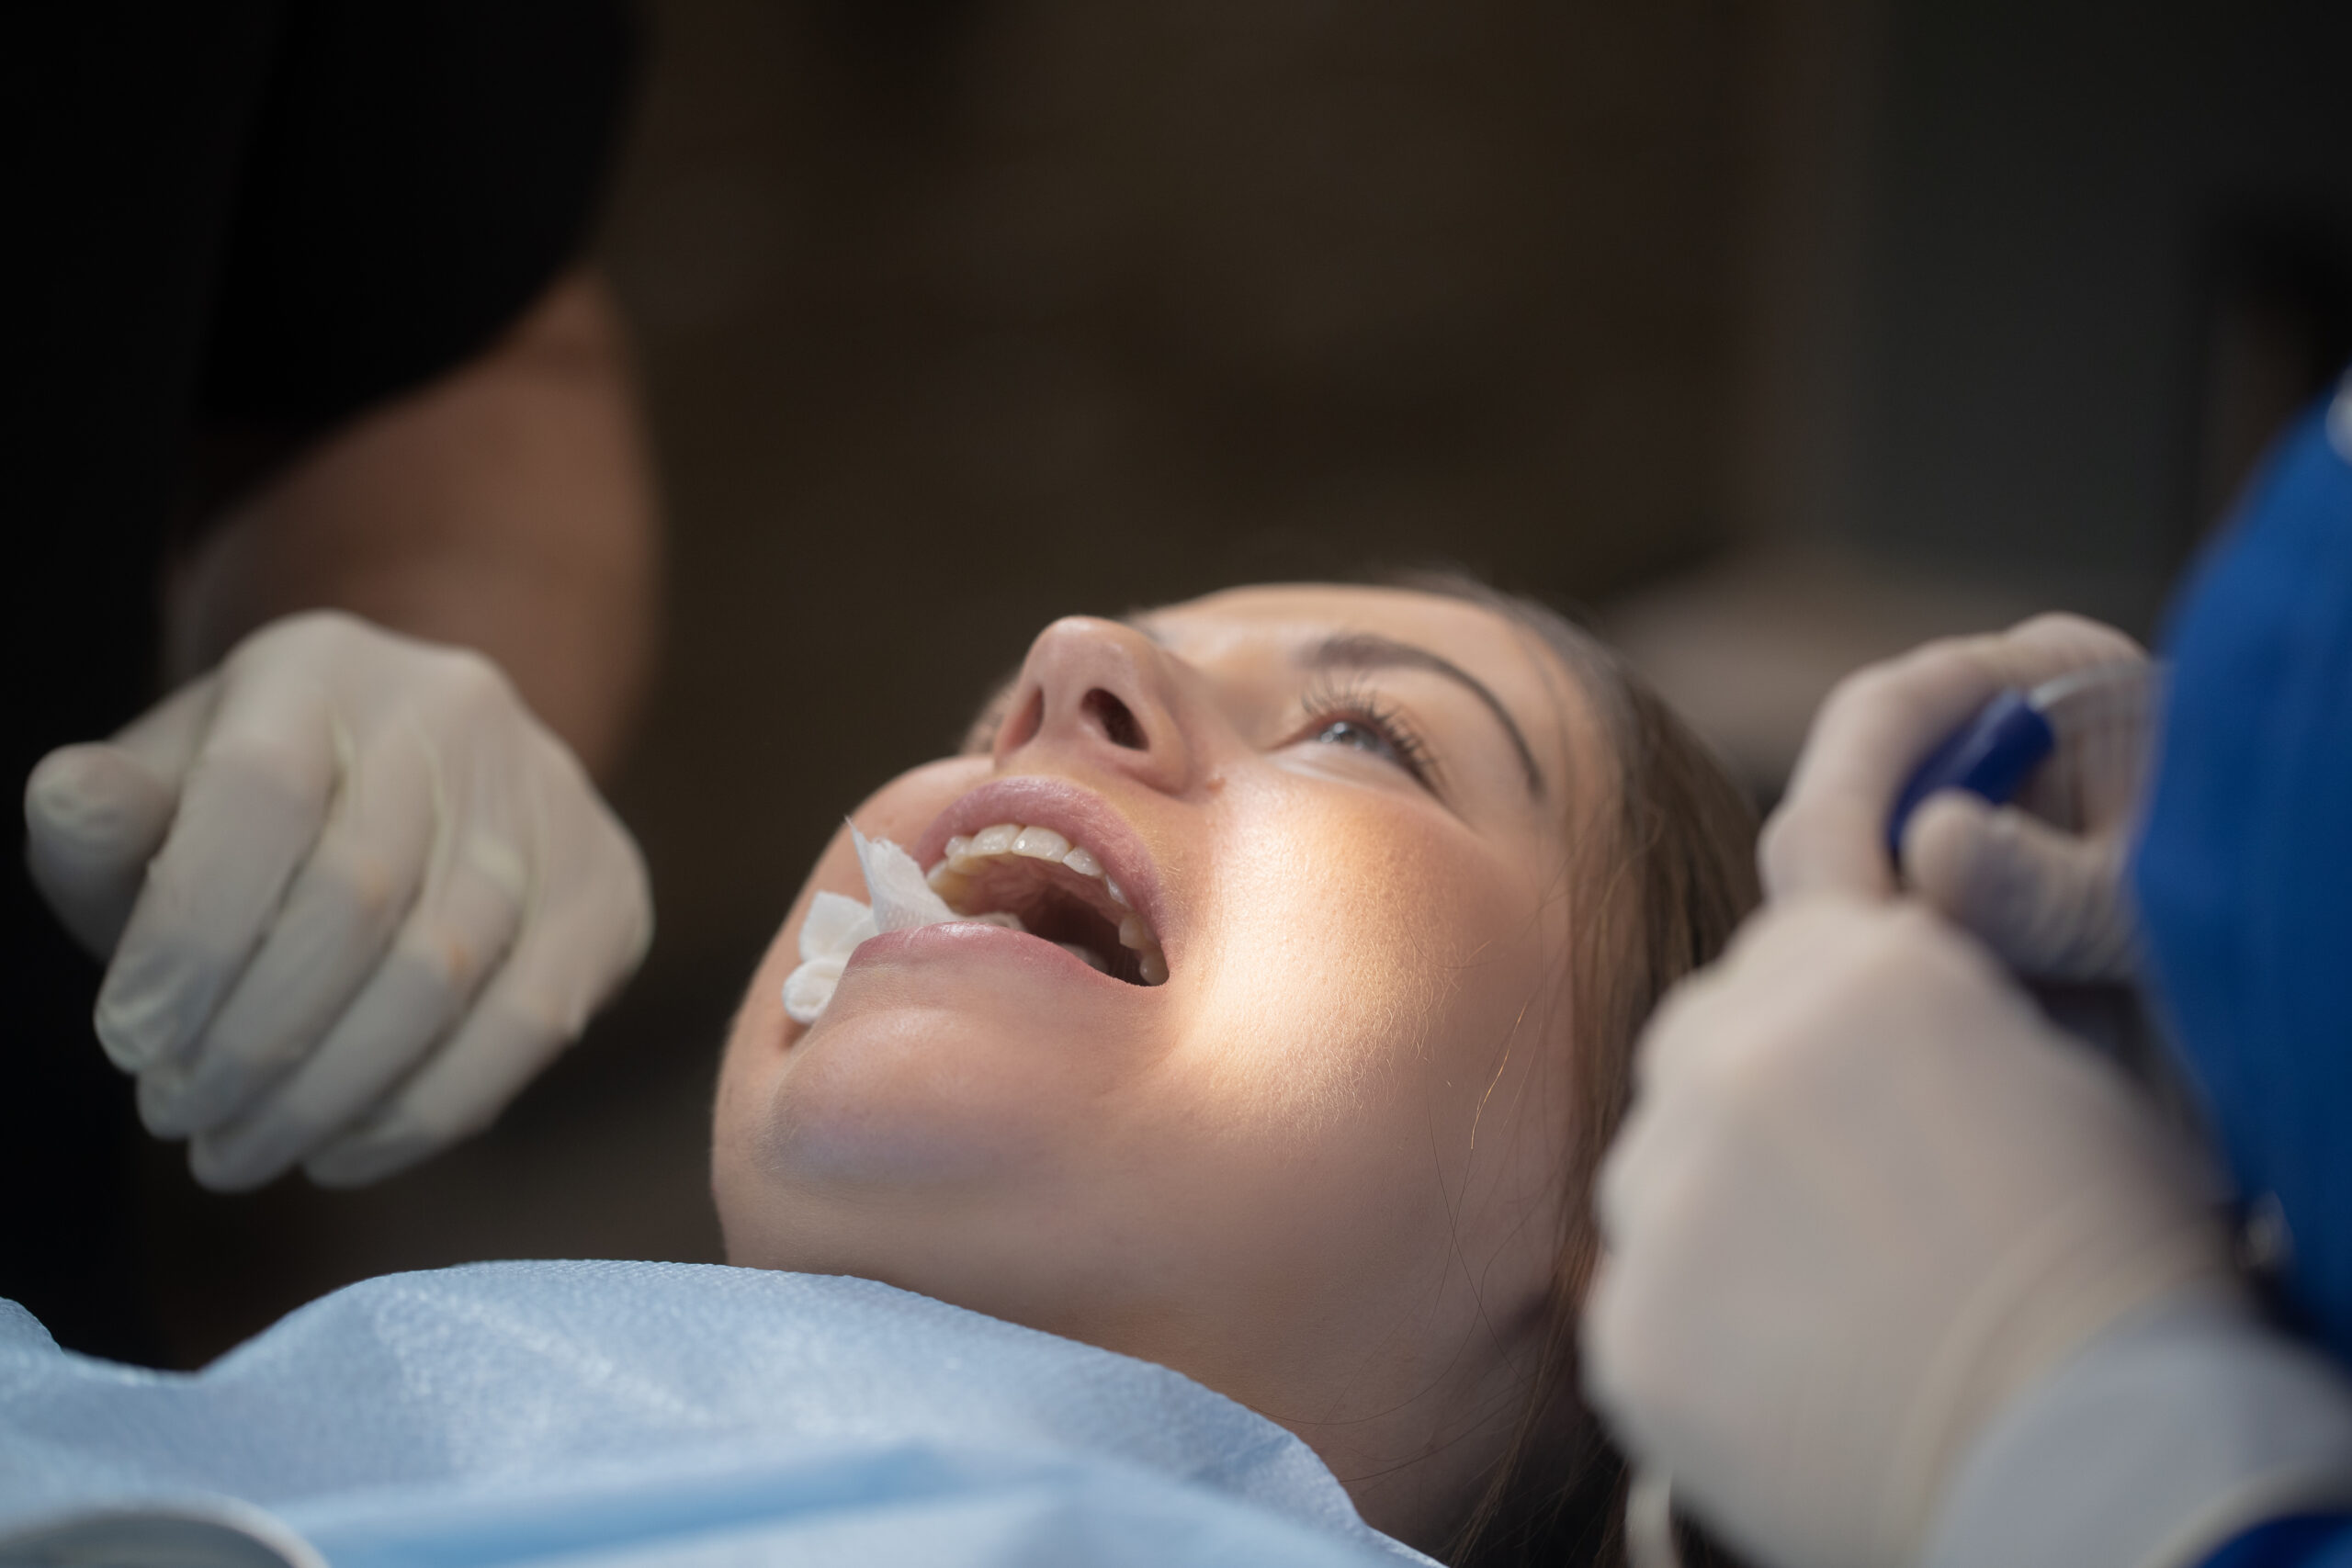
<point>1362,737</point>
<point>1348,713</point>
<point>1384,737</point>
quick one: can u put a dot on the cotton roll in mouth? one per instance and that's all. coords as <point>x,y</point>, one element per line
<point>905,898</point>
<point>835,925</point>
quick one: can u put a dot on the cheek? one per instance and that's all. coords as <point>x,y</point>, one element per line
<point>1371,959</point>
<point>1374,1047</point>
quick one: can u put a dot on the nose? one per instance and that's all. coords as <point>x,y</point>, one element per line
<point>1102,694</point>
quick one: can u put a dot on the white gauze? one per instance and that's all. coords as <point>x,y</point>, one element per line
<point>903,901</point>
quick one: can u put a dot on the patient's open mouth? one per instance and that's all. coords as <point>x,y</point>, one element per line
<point>1060,892</point>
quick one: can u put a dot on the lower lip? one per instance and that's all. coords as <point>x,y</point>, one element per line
<point>994,945</point>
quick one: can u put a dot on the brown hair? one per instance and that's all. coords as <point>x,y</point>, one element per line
<point>1672,872</point>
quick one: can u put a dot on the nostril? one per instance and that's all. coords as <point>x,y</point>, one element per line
<point>1113,718</point>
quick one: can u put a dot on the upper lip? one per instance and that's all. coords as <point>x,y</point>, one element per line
<point>1076,813</point>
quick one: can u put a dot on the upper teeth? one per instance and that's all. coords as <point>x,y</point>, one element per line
<point>967,854</point>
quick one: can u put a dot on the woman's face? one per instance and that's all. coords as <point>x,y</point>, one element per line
<point>1317,1166</point>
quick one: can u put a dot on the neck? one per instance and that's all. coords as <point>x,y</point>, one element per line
<point>1412,1421</point>
<point>1416,1468</point>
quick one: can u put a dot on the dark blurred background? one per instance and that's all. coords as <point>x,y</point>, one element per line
<point>1777,335</point>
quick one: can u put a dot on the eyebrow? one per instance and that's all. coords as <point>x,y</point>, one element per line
<point>1369,651</point>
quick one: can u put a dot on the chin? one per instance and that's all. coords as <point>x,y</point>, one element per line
<point>903,1119</point>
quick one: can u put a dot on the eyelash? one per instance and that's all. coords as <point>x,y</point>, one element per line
<point>1332,700</point>
<point>1352,701</point>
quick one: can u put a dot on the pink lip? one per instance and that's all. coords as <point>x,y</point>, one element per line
<point>999,946</point>
<point>1079,815</point>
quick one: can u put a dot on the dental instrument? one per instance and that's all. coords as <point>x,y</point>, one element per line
<point>1995,754</point>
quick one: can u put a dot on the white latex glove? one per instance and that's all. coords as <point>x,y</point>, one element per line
<point>2042,882</point>
<point>1865,1196</point>
<point>353,894</point>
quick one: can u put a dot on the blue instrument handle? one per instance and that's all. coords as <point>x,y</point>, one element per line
<point>1991,755</point>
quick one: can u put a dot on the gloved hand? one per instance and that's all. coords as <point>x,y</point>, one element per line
<point>1865,1195</point>
<point>2042,882</point>
<point>353,894</point>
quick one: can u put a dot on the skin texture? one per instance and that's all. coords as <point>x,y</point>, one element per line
<point>1316,1170</point>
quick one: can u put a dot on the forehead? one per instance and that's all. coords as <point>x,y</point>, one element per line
<point>1297,613</point>
<point>1284,621</point>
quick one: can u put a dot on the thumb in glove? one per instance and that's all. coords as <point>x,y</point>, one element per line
<point>96,813</point>
<point>2050,903</point>
<point>1829,834</point>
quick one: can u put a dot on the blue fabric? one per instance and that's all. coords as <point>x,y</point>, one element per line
<point>569,1413</point>
<point>2314,1540</point>
<point>2244,870</point>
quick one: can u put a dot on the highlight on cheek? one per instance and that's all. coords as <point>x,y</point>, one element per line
<point>1417,928</point>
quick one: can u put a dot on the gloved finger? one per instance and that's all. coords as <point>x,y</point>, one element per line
<point>1879,723</point>
<point>253,804</point>
<point>2051,903</point>
<point>1699,1020</point>
<point>1711,1042</point>
<point>1702,1015</point>
<point>96,813</point>
<point>167,737</point>
<point>2092,782</point>
<point>1828,834</point>
<point>1649,1362</point>
<point>1634,1365</point>
<point>579,947</point>
<point>1612,1364</point>
<point>454,937</point>
<point>93,816</point>
<point>337,920</point>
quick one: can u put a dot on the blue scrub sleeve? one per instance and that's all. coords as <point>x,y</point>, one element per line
<point>2310,1540</point>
